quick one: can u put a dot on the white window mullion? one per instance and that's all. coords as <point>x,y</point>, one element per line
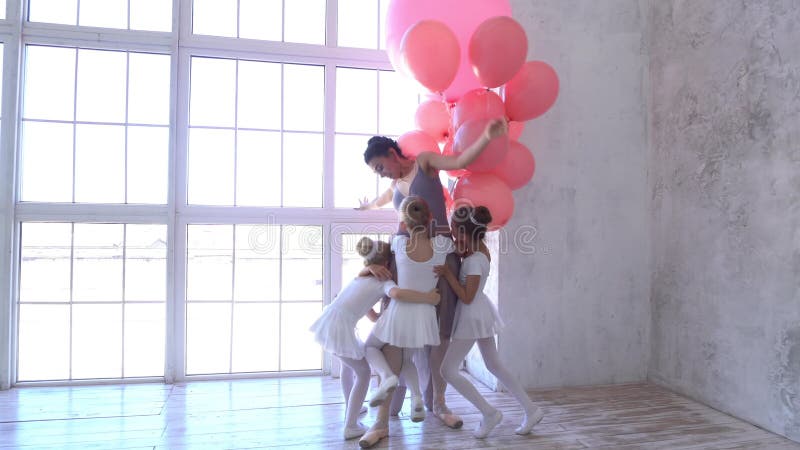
<point>329,136</point>
<point>329,170</point>
<point>173,342</point>
<point>332,23</point>
<point>176,308</point>
<point>8,195</point>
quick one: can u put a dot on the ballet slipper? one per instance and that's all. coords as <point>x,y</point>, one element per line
<point>354,432</point>
<point>417,409</point>
<point>372,437</point>
<point>384,390</point>
<point>530,421</point>
<point>487,425</point>
<point>445,415</point>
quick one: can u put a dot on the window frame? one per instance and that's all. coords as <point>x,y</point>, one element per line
<point>16,32</point>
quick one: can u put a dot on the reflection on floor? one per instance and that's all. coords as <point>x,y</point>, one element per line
<point>307,412</point>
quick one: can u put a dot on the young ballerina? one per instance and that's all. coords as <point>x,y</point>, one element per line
<point>407,325</point>
<point>477,320</point>
<point>334,330</point>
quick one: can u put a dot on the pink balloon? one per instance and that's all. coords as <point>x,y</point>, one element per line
<point>485,189</point>
<point>515,130</point>
<point>531,92</point>
<point>478,104</point>
<point>497,50</point>
<point>491,156</point>
<point>517,168</point>
<point>448,151</point>
<point>433,118</point>
<point>415,142</point>
<point>462,16</point>
<point>431,53</point>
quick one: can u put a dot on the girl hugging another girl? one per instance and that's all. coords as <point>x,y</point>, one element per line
<point>477,320</point>
<point>409,326</point>
<point>335,328</point>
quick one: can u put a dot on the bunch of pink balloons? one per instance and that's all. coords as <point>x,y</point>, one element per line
<point>461,50</point>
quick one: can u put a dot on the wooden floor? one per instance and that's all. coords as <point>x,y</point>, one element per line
<point>306,413</point>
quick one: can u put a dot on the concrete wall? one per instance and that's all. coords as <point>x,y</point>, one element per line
<point>725,129</point>
<point>577,308</point>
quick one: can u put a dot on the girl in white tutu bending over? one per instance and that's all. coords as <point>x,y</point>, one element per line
<point>477,320</point>
<point>335,328</point>
<point>409,326</point>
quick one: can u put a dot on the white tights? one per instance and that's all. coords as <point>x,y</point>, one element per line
<point>450,370</point>
<point>355,377</point>
<point>377,361</point>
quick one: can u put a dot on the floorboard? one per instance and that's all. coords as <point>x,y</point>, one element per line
<point>307,412</point>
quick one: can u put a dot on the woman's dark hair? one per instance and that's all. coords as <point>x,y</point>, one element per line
<point>379,146</point>
<point>473,221</point>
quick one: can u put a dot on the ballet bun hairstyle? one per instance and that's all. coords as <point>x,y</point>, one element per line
<point>380,146</point>
<point>373,252</point>
<point>473,221</point>
<point>415,213</point>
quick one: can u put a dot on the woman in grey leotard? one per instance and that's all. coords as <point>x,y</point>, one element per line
<point>420,177</point>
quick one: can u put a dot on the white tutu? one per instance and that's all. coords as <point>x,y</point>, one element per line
<point>477,320</point>
<point>408,325</point>
<point>335,331</point>
<point>480,318</point>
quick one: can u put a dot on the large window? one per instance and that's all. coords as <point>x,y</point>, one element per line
<point>256,133</point>
<point>95,126</point>
<point>252,293</point>
<point>88,290</point>
<point>182,170</point>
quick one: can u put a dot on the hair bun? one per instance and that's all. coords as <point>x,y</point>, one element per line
<point>364,246</point>
<point>482,215</point>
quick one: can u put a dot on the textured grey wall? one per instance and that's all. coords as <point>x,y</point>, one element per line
<point>725,130</point>
<point>578,309</point>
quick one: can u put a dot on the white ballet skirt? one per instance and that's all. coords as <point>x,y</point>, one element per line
<point>335,329</point>
<point>413,325</point>
<point>480,318</point>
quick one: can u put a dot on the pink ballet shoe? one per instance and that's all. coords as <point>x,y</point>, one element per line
<point>372,437</point>
<point>445,415</point>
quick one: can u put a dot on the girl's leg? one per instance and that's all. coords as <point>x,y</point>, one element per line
<point>360,369</point>
<point>421,359</point>
<point>398,397</point>
<point>380,429</point>
<point>378,361</point>
<point>447,308</point>
<point>346,377</point>
<point>533,414</point>
<point>450,369</point>
<point>411,377</point>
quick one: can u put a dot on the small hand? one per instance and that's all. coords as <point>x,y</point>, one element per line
<point>495,128</point>
<point>433,296</point>
<point>441,270</point>
<point>380,272</point>
<point>363,204</point>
